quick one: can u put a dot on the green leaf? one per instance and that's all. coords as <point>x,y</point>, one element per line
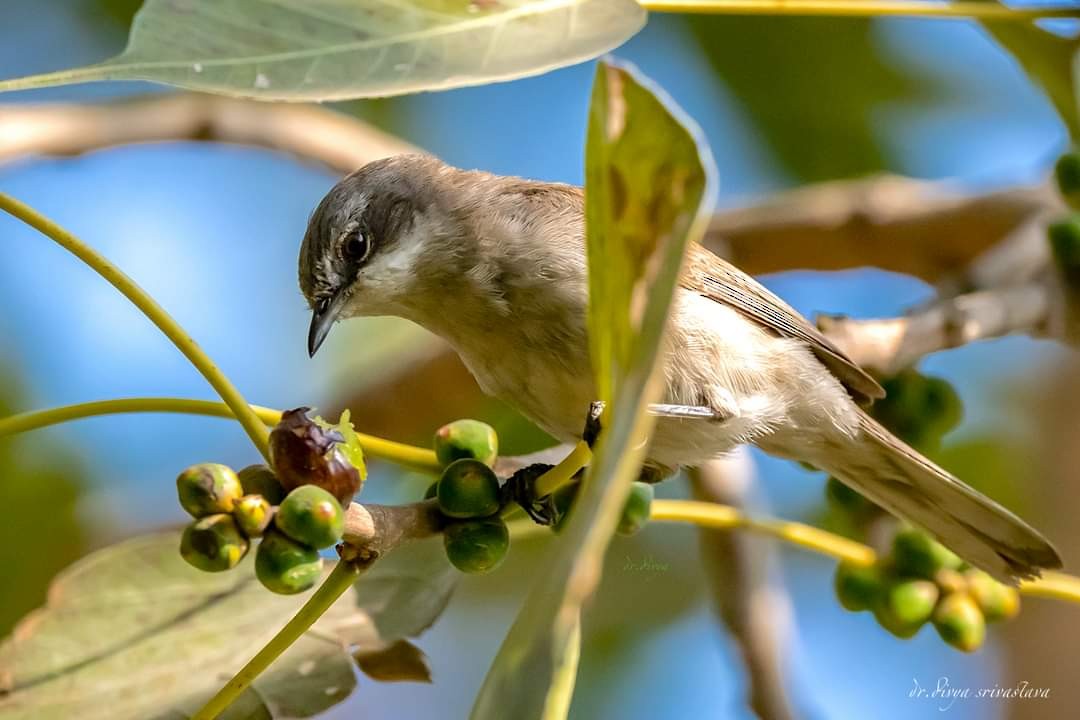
<point>813,88</point>
<point>341,49</point>
<point>648,194</point>
<point>133,632</point>
<point>1048,59</point>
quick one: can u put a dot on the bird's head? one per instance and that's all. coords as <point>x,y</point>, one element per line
<point>368,240</point>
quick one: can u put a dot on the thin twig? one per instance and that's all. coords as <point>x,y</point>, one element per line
<point>748,600</point>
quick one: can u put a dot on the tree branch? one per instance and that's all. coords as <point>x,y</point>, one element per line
<point>751,606</point>
<point>314,133</point>
<point>888,345</point>
<point>926,229</point>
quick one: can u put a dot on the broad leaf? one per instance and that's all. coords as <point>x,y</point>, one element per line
<point>340,49</point>
<point>1049,60</point>
<point>647,195</point>
<point>133,632</point>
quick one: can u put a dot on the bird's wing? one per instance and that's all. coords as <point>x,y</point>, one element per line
<point>718,280</point>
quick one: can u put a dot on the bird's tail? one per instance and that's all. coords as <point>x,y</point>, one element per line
<point>896,477</point>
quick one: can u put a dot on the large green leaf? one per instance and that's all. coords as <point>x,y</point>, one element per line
<point>133,632</point>
<point>1049,60</point>
<point>813,88</point>
<point>340,49</point>
<point>648,193</point>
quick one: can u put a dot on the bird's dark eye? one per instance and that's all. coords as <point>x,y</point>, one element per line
<point>356,246</point>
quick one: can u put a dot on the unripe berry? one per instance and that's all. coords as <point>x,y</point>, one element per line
<point>466,439</point>
<point>908,604</point>
<point>253,514</point>
<point>285,566</point>
<point>476,546</point>
<point>960,622</point>
<point>312,516</point>
<point>1067,173</point>
<point>468,489</point>
<point>636,510</point>
<point>916,554</point>
<point>208,489</point>
<point>213,543</point>
<point>858,587</point>
<point>997,601</point>
<point>261,480</point>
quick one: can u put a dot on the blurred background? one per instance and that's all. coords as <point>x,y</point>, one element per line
<point>212,231</point>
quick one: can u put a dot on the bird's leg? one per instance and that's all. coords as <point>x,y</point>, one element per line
<point>723,408</point>
<point>521,488</point>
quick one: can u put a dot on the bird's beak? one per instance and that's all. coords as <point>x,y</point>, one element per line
<point>322,319</point>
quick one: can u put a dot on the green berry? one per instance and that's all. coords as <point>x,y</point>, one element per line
<point>213,543</point>
<point>285,566</point>
<point>253,514</point>
<point>466,439</point>
<point>476,546</point>
<point>1067,172</point>
<point>910,603</point>
<point>636,510</point>
<point>997,601</point>
<point>432,490</point>
<point>858,587</point>
<point>208,489</point>
<point>916,554</point>
<point>468,489</point>
<point>261,480</point>
<point>1065,243</point>
<point>312,516</point>
<point>960,622</point>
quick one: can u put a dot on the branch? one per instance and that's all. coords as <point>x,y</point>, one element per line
<point>313,133</point>
<point>915,227</point>
<point>886,346</point>
<point>747,600</point>
<point>833,226</point>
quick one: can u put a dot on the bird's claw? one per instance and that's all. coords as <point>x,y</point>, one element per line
<point>521,488</point>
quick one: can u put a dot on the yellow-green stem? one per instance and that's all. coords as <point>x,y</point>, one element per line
<point>336,583</point>
<point>564,472</point>
<point>723,517</point>
<point>414,457</point>
<point>255,428</point>
<point>860,8</point>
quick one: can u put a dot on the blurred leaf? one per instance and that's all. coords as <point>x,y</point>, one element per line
<point>811,87</point>
<point>40,485</point>
<point>648,194</point>
<point>340,49</point>
<point>399,662</point>
<point>134,632</point>
<point>1049,61</point>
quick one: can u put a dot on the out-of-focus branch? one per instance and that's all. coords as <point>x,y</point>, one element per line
<point>920,228</point>
<point>888,345</point>
<point>314,133</point>
<point>752,607</point>
<point>925,229</point>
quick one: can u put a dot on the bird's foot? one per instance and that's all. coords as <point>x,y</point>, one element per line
<point>521,488</point>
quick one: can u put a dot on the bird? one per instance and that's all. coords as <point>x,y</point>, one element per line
<point>496,266</point>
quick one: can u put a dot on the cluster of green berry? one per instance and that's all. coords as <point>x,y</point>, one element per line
<point>921,580</point>
<point>471,497</point>
<point>475,537</point>
<point>231,510</point>
<point>296,511</point>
